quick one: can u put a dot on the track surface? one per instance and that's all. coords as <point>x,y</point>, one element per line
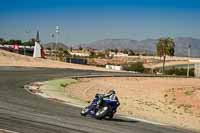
<point>26,113</point>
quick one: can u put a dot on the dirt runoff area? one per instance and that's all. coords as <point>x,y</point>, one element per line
<point>173,101</point>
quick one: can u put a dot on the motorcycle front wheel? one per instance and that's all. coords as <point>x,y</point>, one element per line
<point>84,111</point>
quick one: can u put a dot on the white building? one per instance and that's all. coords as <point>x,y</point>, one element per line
<point>118,54</point>
<point>113,67</point>
<point>82,53</point>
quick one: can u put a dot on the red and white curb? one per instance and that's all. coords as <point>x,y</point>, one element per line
<point>34,88</point>
<point>6,131</point>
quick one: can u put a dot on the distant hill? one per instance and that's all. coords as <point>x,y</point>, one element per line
<point>182,45</point>
<point>149,45</point>
<point>144,45</point>
<point>53,44</point>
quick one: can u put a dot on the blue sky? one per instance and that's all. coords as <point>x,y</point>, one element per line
<point>84,21</point>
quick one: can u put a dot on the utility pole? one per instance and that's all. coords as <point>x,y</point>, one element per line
<point>57,33</point>
<point>188,68</point>
<point>26,33</point>
<point>24,49</point>
<point>52,36</point>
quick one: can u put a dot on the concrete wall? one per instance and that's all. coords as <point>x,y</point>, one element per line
<point>168,58</point>
<point>196,67</point>
<point>197,70</point>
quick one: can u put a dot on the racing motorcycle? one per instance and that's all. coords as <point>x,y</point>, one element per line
<point>101,108</point>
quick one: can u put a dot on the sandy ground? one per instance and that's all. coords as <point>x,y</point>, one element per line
<point>12,59</point>
<point>173,101</point>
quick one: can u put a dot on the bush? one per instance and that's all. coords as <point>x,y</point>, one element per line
<point>99,55</point>
<point>179,71</point>
<point>137,67</point>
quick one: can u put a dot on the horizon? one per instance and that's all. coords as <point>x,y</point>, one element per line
<point>88,21</point>
<point>77,44</point>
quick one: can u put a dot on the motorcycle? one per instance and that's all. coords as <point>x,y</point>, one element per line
<point>101,108</point>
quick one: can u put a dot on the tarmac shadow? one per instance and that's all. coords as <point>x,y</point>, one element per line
<point>122,120</point>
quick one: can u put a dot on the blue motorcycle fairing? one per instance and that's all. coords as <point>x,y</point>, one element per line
<point>92,108</point>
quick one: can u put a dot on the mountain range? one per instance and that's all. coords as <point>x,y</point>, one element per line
<point>53,44</point>
<point>147,45</point>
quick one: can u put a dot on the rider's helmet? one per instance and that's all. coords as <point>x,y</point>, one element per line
<point>111,92</point>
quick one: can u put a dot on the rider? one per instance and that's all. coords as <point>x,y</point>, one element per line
<point>111,95</point>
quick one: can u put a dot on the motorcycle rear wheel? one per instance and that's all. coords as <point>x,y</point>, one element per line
<point>110,116</point>
<point>102,112</point>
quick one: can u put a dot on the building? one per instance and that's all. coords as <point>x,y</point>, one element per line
<point>82,53</point>
<point>196,67</point>
<point>118,54</point>
<point>114,67</point>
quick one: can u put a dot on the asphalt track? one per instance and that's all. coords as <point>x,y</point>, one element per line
<point>25,113</point>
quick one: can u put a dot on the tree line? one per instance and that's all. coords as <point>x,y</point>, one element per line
<point>30,42</point>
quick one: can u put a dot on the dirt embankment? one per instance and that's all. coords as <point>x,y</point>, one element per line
<point>13,59</point>
<point>174,101</point>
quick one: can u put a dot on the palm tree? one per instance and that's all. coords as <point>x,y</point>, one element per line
<point>164,47</point>
<point>1,41</point>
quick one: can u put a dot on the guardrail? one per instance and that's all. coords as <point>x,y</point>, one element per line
<point>128,75</point>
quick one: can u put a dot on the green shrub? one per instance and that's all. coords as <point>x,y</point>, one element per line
<point>138,67</point>
<point>179,71</point>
